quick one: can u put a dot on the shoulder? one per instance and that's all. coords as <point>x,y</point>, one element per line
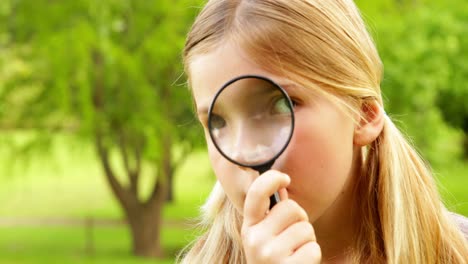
<point>462,222</point>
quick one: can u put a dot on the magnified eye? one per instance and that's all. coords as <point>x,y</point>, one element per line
<point>281,106</point>
<point>217,122</point>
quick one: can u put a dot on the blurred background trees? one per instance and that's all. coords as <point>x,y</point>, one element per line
<point>109,72</point>
<point>108,75</point>
<point>424,47</point>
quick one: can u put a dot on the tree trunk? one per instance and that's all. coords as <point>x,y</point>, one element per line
<point>144,217</point>
<point>465,146</point>
<point>145,229</point>
<point>170,187</point>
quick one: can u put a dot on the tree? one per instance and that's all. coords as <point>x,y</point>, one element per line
<point>108,71</point>
<point>453,98</point>
<point>454,108</point>
<point>423,48</point>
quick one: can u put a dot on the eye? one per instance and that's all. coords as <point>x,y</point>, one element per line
<point>281,106</point>
<point>217,122</point>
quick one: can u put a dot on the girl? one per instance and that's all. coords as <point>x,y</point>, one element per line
<point>352,189</point>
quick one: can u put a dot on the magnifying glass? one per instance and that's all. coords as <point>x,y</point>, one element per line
<point>251,122</point>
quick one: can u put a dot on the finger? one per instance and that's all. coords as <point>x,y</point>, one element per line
<point>310,251</point>
<point>283,215</point>
<point>283,193</point>
<point>293,238</point>
<point>257,200</point>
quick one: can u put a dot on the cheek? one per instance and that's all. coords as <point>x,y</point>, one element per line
<point>319,161</point>
<point>319,154</point>
<point>215,158</point>
<point>234,180</point>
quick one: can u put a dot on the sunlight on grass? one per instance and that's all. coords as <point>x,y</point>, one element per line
<point>68,182</point>
<point>69,245</point>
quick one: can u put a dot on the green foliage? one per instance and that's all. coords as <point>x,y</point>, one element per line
<point>108,72</point>
<point>111,64</point>
<point>114,66</point>
<point>423,46</point>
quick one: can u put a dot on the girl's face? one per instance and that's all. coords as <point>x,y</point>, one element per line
<point>319,158</point>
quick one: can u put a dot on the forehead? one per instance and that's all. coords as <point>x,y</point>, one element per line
<point>210,71</point>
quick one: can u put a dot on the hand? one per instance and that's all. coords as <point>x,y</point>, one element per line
<point>281,235</point>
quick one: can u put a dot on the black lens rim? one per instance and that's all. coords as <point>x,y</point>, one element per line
<point>285,94</point>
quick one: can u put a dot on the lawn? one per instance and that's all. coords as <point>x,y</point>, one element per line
<point>69,184</point>
<point>34,245</point>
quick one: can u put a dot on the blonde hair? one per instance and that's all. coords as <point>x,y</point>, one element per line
<point>325,46</point>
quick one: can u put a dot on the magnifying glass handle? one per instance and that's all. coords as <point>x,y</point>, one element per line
<point>274,199</point>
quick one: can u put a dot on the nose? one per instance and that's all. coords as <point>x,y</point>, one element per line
<point>243,138</point>
<point>248,145</point>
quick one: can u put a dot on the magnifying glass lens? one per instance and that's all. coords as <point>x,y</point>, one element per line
<point>251,120</point>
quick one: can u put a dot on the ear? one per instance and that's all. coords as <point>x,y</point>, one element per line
<point>370,124</point>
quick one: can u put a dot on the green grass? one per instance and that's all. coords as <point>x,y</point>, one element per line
<point>27,245</point>
<point>68,183</point>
